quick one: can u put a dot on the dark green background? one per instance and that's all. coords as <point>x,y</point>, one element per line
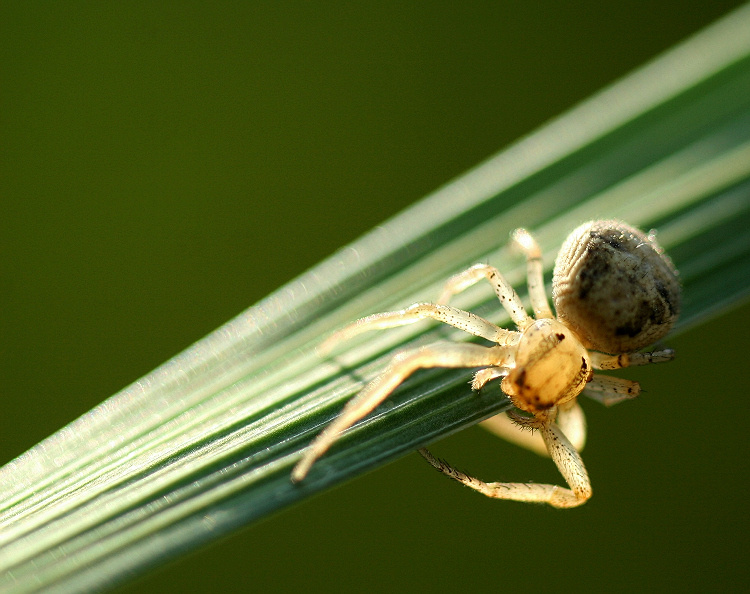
<point>164,165</point>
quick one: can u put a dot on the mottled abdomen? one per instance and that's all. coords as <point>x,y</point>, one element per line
<point>615,288</point>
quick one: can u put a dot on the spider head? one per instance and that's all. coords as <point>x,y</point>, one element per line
<point>552,367</point>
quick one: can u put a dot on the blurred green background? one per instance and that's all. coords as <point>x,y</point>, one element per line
<point>165,165</point>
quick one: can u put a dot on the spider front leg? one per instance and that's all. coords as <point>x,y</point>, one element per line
<point>402,366</point>
<point>565,456</point>
<point>463,320</point>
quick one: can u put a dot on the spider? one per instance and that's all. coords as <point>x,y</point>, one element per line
<point>615,292</point>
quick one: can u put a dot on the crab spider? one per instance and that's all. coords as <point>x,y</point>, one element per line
<point>615,292</point>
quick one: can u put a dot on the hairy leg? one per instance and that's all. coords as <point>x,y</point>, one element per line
<point>402,366</point>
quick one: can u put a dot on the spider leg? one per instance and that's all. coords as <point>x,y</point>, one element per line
<point>463,320</point>
<point>534,273</point>
<point>566,458</point>
<point>402,366</point>
<point>610,390</point>
<point>603,361</point>
<point>483,376</point>
<point>570,420</point>
<point>509,299</point>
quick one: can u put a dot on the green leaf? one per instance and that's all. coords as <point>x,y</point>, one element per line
<point>205,443</point>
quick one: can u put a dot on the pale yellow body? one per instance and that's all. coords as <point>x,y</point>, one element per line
<point>546,364</point>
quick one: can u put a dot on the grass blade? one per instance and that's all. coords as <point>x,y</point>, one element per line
<point>205,443</point>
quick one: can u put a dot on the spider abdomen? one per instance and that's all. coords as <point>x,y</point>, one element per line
<point>615,288</point>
